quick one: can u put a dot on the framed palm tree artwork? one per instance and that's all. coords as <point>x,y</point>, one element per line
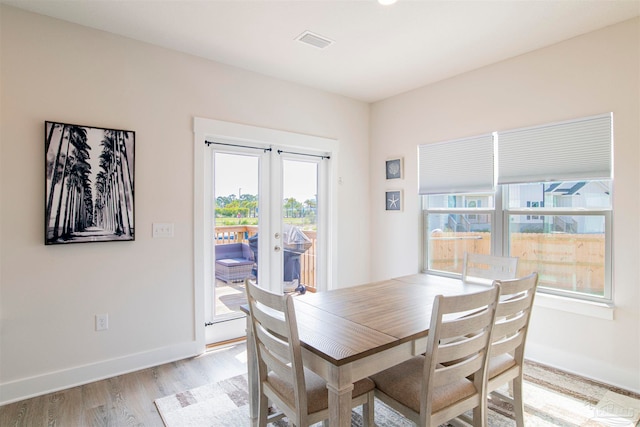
<point>89,184</point>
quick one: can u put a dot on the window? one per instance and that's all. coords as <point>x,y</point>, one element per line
<point>550,207</point>
<point>457,224</point>
<point>566,240</point>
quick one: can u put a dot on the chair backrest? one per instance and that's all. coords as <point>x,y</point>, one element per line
<point>481,268</point>
<point>458,345</point>
<point>275,334</point>
<point>234,250</point>
<point>513,315</point>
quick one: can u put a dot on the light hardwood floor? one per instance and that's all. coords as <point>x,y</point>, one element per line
<point>125,400</point>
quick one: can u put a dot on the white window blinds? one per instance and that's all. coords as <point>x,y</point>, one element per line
<point>577,149</point>
<point>459,166</point>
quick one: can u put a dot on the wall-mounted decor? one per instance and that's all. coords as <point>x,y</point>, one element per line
<point>394,168</point>
<point>393,200</point>
<point>89,178</point>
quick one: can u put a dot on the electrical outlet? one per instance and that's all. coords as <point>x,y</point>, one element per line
<point>102,322</point>
<point>163,229</point>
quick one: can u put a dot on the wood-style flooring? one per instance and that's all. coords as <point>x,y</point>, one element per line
<point>125,400</point>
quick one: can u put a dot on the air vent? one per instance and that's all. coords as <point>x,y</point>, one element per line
<point>314,40</point>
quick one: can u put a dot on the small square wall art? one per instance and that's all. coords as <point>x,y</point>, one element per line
<point>393,200</point>
<point>393,168</point>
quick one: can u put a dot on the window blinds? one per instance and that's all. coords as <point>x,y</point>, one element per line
<point>459,166</point>
<point>577,149</point>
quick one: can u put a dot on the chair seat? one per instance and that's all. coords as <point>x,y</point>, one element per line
<point>401,383</point>
<point>317,393</point>
<point>231,262</point>
<point>500,364</point>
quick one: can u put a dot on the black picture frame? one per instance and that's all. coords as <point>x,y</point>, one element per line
<point>89,184</point>
<point>393,200</point>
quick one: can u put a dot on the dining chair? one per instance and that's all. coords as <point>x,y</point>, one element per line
<point>481,268</point>
<point>423,388</point>
<point>509,338</point>
<point>297,392</point>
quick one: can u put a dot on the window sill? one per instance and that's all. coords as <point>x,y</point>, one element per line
<point>587,308</point>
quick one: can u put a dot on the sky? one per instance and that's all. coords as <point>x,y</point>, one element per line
<point>235,174</point>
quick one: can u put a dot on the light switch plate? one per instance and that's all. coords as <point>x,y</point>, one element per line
<point>162,229</point>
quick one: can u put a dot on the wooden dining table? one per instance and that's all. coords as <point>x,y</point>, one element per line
<point>350,333</point>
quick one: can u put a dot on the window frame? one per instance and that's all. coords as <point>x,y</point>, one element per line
<point>500,236</point>
<point>607,213</point>
<point>496,234</point>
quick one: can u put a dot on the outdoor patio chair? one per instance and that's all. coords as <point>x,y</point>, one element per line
<point>234,262</point>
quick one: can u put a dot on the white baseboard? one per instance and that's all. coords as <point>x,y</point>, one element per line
<point>25,388</point>
<point>584,366</point>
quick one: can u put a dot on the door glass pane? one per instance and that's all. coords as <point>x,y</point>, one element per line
<point>450,235</point>
<point>236,228</point>
<point>299,214</point>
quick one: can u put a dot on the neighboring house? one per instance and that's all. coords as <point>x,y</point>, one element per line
<point>559,195</point>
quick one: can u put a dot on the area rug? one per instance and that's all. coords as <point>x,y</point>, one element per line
<point>552,398</point>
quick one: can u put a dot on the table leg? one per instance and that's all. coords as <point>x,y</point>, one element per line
<point>340,405</point>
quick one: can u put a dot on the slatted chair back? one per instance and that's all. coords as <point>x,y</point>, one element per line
<point>274,328</point>
<point>300,394</point>
<point>509,338</point>
<point>450,378</point>
<point>457,349</point>
<point>481,268</point>
<point>513,314</point>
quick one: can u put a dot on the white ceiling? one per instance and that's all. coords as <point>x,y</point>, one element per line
<point>378,51</point>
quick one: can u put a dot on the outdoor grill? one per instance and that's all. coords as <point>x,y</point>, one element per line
<point>294,244</point>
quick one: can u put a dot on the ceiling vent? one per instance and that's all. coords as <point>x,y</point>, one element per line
<point>314,40</point>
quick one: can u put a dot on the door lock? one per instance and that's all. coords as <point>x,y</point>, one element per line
<point>277,248</point>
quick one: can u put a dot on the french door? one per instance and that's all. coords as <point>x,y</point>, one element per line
<point>266,217</point>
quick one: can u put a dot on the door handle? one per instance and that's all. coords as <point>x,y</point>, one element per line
<point>277,248</point>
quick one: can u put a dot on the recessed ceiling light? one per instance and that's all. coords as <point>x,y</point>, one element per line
<point>387,2</point>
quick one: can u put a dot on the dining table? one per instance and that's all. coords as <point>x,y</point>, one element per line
<point>350,333</point>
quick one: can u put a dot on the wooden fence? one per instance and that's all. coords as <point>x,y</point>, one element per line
<point>242,234</point>
<point>573,262</point>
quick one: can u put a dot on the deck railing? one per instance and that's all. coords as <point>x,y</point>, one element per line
<point>242,233</point>
<point>574,260</point>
